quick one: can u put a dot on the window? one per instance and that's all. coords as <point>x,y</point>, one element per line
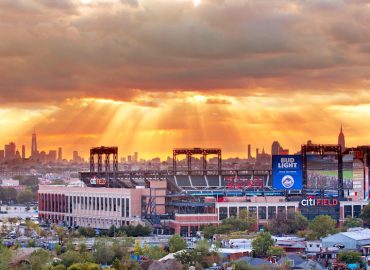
<point>252,211</point>
<point>281,210</point>
<point>127,207</point>
<point>233,211</point>
<point>222,213</point>
<point>262,212</point>
<point>114,205</point>
<point>356,211</point>
<point>271,212</point>
<point>347,211</point>
<point>122,207</point>
<point>291,209</point>
<point>184,231</point>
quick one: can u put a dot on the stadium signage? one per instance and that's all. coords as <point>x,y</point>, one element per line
<point>98,181</point>
<point>287,171</point>
<point>319,202</point>
<point>287,163</point>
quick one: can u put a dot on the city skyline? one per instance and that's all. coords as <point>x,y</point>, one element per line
<point>100,72</point>
<point>275,148</point>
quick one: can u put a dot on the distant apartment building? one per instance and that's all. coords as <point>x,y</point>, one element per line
<point>52,156</point>
<point>10,150</point>
<point>2,155</point>
<point>60,154</point>
<point>23,151</point>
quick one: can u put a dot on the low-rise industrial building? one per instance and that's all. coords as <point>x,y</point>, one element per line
<point>351,240</point>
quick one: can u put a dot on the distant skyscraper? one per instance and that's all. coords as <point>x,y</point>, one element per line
<point>34,151</point>
<point>52,156</point>
<point>10,151</point>
<point>249,151</point>
<point>2,155</point>
<point>75,156</point>
<point>23,151</point>
<point>341,139</point>
<point>60,154</point>
<point>275,148</point>
<point>17,155</point>
<point>136,157</point>
<point>257,153</point>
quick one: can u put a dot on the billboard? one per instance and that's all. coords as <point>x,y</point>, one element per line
<point>287,172</point>
<point>322,171</point>
<point>244,182</point>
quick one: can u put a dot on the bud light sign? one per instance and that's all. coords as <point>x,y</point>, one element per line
<point>287,171</point>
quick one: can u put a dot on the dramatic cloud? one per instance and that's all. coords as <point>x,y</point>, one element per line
<point>223,73</point>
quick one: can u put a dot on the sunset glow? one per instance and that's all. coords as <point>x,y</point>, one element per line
<point>149,76</point>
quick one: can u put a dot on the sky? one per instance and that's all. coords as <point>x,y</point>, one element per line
<point>152,75</point>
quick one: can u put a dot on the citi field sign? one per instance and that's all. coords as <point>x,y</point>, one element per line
<point>98,181</point>
<point>287,171</point>
<point>319,202</point>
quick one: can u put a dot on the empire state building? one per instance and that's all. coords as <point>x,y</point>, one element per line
<point>341,139</point>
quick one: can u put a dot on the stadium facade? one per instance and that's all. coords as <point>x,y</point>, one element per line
<point>183,201</point>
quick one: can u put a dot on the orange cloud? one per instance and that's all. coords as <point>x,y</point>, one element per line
<point>152,75</point>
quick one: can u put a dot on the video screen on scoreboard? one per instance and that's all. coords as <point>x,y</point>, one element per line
<point>322,171</point>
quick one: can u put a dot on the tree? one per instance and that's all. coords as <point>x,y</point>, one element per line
<point>103,253</point>
<point>30,181</point>
<point>121,248</point>
<point>262,243</point>
<point>203,246</point>
<point>137,249</point>
<point>70,257</point>
<point>2,194</point>
<point>276,251</point>
<point>351,222</point>
<point>154,252</point>
<point>31,243</point>
<point>25,196</point>
<point>128,265</point>
<point>5,258</point>
<point>323,225</point>
<point>86,231</point>
<point>201,255</point>
<point>300,221</point>
<point>209,231</point>
<point>58,267</point>
<point>176,243</point>
<point>243,265</point>
<point>245,221</point>
<point>39,259</point>
<point>10,194</point>
<point>287,223</point>
<point>350,257</point>
<point>365,215</point>
<point>61,233</point>
<point>84,266</point>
